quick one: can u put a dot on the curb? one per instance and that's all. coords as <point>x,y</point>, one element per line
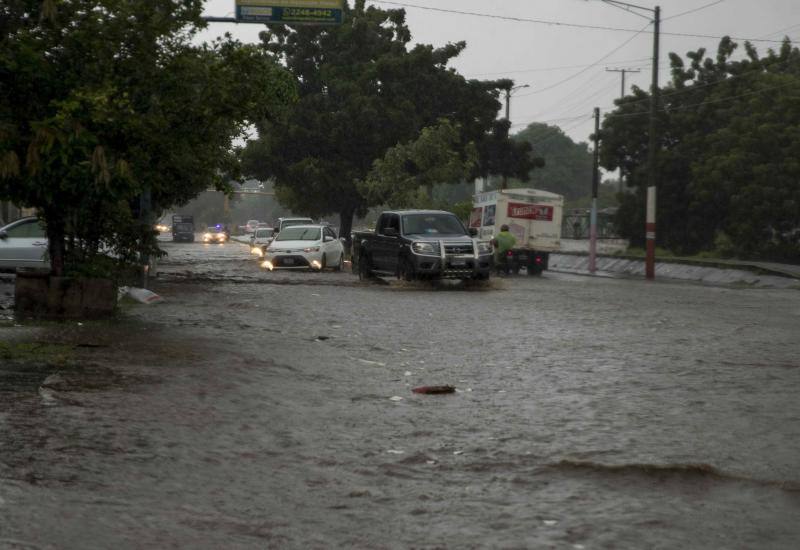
<point>754,267</point>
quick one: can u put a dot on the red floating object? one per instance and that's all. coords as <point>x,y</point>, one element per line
<point>434,389</point>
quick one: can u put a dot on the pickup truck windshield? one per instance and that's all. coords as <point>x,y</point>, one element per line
<point>299,234</point>
<point>432,225</point>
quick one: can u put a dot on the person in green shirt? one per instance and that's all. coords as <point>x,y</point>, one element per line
<point>503,242</point>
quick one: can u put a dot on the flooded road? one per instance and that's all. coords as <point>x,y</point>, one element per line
<point>275,410</point>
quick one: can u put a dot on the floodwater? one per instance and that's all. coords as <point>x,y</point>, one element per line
<point>275,410</point>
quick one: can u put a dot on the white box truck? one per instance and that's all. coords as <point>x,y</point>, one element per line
<point>533,217</point>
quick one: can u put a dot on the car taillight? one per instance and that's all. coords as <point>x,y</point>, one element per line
<point>538,259</point>
<point>509,253</point>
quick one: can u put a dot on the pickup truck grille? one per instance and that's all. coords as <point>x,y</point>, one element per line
<point>451,249</point>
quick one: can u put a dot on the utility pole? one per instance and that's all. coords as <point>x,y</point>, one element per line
<point>504,185</point>
<point>145,218</point>
<point>595,185</point>
<point>652,153</point>
<point>623,71</point>
<point>621,187</point>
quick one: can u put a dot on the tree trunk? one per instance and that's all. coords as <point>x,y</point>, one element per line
<point>346,226</point>
<point>55,243</point>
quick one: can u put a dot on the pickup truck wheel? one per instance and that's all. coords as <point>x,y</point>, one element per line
<point>405,270</point>
<point>364,270</point>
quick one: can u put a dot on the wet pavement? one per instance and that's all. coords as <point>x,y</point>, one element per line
<point>275,410</point>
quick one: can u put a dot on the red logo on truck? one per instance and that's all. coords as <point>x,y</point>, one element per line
<point>475,217</point>
<point>530,211</point>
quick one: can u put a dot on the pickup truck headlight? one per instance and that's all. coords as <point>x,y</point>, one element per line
<point>484,247</point>
<point>425,248</point>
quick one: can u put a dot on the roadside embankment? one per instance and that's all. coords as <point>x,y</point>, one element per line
<point>720,272</point>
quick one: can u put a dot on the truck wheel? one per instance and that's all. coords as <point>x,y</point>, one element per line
<point>364,271</point>
<point>534,271</point>
<point>405,271</point>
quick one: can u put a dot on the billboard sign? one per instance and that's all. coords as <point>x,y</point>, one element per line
<point>290,12</point>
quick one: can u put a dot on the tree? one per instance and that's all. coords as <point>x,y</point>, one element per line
<point>727,167</point>
<point>406,175</point>
<point>120,109</point>
<point>363,92</point>
<point>567,166</point>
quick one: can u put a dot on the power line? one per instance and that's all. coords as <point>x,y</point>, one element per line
<point>591,98</point>
<point>687,89</point>
<point>781,30</point>
<point>563,67</point>
<point>606,56</point>
<point>566,119</point>
<point>564,131</point>
<point>565,24</point>
<point>694,10</point>
<point>708,102</point>
<point>625,8</point>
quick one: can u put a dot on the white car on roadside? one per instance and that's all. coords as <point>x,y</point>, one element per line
<point>312,247</point>
<point>23,243</point>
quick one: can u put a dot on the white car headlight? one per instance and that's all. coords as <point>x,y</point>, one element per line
<point>425,248</point>
<point>311,249</point>
<point>484,247</point>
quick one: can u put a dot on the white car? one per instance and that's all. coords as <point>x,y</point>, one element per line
<point>261,239</point>
<point>305,247</point>
<point>23,243</point>
<point>250,226</point>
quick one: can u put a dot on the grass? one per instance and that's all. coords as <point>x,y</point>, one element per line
<point>35,352</point>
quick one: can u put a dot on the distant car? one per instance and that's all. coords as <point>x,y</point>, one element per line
<point>250,226</point>
<point>312,247</point>
<point>260,239</point>
<point>215,234</point>
<point>23,243</point>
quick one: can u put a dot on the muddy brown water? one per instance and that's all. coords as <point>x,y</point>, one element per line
<point>275,410</point>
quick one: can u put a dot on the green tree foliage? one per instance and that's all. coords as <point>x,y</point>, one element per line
<point>105,101</point>
<point>567,166</point>
<point>406,175</point>
<point>363,91</point>
<point>728,168</point>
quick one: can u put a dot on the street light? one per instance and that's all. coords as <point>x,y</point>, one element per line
<point>650,217</point>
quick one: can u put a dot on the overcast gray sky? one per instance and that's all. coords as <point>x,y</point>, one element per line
<point>565,66</point>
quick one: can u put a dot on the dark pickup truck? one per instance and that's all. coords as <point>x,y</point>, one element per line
<point>420,244</point>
